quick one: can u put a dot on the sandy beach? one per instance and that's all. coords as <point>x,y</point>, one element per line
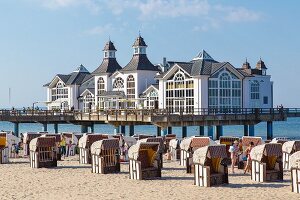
<point>71,180</point>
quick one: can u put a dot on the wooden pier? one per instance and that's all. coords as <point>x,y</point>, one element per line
<point>160,118</point>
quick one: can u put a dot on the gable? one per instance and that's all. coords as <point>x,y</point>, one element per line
<point>227,67</point>
<point>173,70</point>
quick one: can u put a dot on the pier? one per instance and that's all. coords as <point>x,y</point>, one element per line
<point>161,118</point>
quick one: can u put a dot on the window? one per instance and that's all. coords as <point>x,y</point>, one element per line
<point>130,91</point>
<point>118,83</point>
<point>136,50</point>
<point>60,91</point>
<point>266,100</point>
<point>224,91</point>
<point>180,94</point>
<point>88,102</point>
<point>254,90</point>
<point>101,90</point>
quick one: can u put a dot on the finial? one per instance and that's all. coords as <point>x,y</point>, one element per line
<point>139,33</point>
<point>246,60</point>
<point>109,38</point>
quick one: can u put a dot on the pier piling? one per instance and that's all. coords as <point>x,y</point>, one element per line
<point>45,127</point>
<point>84,129</point>
<point>16,129</point>
<point>93,128</point>
<point>131,130</point>
<point>169,130</point>
<point>246,130</point>
<point>56,128</point>
<point>210,132</point>
<point>251,130</point>
<point>269,130</point>
<point>219,130</point>
<point>201,130</point>
<point>123,130</point>
<point>158,131</point>
<point>184,131</point>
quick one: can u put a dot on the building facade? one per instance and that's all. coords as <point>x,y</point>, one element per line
<point>179,87</point>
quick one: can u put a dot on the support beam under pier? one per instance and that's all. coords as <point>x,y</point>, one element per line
<point>16,129</point>
<point>55,128</point>
<point>251,130</point>
<point>269,130</point>
<point>210,132</point>
<point>201,130</point>
<point>45,127</point>
<point>246,130</point>
<point>131,130</point>
<point>169,130</point>
<point>158,131</point>
<point>93,128</point>
<point>84,129</point>
<point>123,130</point>
<point>184,131</point>
<point>219,132</point>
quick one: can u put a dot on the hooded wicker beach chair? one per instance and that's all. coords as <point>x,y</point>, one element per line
<point>27,137</point>
<point>85,143</point>
<point>105,156</point>
<point>174,148</point>
<point>160,140</point>
<point>144,161</point>
<point>188,147</point>
<point>295,171</point>
<point>288,148</point>
<point>57,143</point>
<point>43,152</point>
<point>4,155</point>
<point>11,141</point>
<point>142,136</point>
<point>70,139</point>
<point>266,162</point>
<point>210,166</point>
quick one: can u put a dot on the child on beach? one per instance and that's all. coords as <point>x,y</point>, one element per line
<point>63,146</point>
<point>234,149</point>
<point>247,152</point>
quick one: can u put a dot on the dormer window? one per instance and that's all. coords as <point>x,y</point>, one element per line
<point>105,54</point>
<point>111,54</point>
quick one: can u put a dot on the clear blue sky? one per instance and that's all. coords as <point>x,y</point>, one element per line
<point>41,38</point>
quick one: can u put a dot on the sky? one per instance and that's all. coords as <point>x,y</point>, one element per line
<point>42,38</point>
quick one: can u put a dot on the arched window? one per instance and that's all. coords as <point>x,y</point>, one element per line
<point>88,102</point>
<point>224,91</point>
<point>59,91</point>
<point>130,90</point>
<point>254,90</point>
<point>152,100</point>
<point>118,83</point>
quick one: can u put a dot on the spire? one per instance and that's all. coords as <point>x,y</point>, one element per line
<point>203,55</point>
<point>139,45</point>
<point>246,65</point>
<point>109,50</point>
<point>261,65</point>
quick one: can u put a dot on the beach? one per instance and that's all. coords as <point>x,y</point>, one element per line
<point>71,180</point>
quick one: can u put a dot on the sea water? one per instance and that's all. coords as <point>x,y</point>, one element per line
<point>289,128</point>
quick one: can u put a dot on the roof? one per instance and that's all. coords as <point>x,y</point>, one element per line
<point>79,76</point>
<point>261,65</point>
<point>139,42</point>
<point>203,55</point>
<point>246,65</point>
<point>109,46</point>
<point>108,65</point>
<point>140,62</point>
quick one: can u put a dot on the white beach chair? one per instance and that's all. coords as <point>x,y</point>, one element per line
<point>295,171</point>
<point>288,148</point>
<point>266,162</point>
<point>209,166</point>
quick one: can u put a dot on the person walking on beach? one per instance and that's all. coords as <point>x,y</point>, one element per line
<point>63,146</point>
<point>234,149</point>
<point>247,152</point>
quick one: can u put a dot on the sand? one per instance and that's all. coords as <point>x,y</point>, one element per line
<point>71,180</point>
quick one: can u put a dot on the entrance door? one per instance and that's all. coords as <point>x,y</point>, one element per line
<point>178,106</point>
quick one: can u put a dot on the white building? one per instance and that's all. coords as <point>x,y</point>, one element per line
<point>205,83</point>
<point>177,86</point>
